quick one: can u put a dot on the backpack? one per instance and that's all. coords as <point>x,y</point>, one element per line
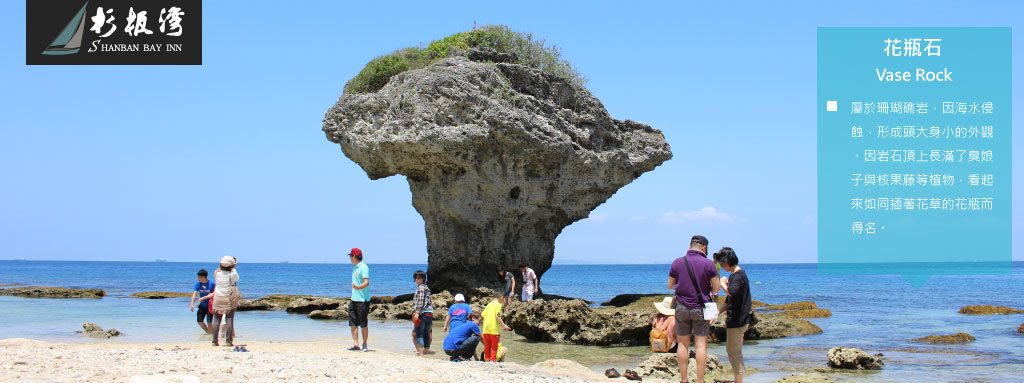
<point>659,336</point>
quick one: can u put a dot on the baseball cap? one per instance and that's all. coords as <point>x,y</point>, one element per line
<point>460,298</point>
<point>699,239</point>
<point>356,251</point>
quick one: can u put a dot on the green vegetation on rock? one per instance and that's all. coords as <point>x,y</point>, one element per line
<point>528,50</point>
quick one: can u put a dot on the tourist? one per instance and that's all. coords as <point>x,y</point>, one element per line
<point>510,286</point>
<point>694,279</point>
<point>663,329</point>
<point>359,306</point>
<point>202,288</point>
<point>491,318</point>
<point>458,313</point>
<point>422,314</point>
<point>460,344</point>
<point>225,300</point>
<point>531,285</point>
<point>737,308</point>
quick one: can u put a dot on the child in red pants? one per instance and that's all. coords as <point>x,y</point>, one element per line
<point>490,331</point>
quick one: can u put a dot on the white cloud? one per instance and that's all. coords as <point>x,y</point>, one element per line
<point>708,213</point>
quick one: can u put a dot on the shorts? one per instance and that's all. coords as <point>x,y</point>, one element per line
<point>508,291</point>
<point>527,294</point>
<point>203,314</point>
<point>691,321</point>
<point>358,312</point>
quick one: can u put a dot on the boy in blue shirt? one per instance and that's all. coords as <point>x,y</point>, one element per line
<point>202,288</point>
<point>460,344</point>
<point>458,313</point>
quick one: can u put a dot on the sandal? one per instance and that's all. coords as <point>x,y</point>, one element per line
<point>354,348</point>
<point>612,373</point>
<point>632,375</point>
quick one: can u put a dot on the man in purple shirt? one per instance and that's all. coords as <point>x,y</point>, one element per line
<point>689,299</point>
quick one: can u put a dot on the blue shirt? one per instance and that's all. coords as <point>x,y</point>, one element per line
<point>204,289</point>
<point>360,272</point>
<point>458,312</point>
<point>459,334</point>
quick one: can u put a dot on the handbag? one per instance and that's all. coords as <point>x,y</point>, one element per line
<point>710,309</point>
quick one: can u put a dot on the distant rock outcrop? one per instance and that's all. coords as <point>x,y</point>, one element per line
<point>989,310</point>
<point>500,157</point>
<point>160,295</point>
<point>52,292</point>
<point>853,358</point>
<point>960,337</point>
<point>271,302</point>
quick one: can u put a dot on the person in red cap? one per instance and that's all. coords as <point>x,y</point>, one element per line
<point>359,306</point>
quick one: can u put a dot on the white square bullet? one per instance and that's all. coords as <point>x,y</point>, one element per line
<point>832,106</point>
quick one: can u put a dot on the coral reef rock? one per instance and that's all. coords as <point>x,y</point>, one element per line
<point>575,322</point>
<point>960,337</point>
<point>812,377</point>
<point>666,366</point>
<point>93,330</point>
<point>853,358</point>
<point>499,158</point>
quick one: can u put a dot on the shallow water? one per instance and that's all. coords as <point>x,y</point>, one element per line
<point>875,313</point>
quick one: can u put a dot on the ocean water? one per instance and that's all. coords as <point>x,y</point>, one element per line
<point>877,313</point>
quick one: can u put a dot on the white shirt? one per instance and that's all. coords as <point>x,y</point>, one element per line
<point>226,279</point>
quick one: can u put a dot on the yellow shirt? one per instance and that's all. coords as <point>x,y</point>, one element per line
<point>490,318</point>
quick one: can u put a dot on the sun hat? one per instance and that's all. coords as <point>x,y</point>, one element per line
<point>227,261</point>
<point>460,298</point>
<point>665,306</point>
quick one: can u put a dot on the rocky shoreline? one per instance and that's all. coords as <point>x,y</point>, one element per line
<point>52,292</point>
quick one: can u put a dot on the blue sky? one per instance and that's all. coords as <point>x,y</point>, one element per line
<point>191,163</point>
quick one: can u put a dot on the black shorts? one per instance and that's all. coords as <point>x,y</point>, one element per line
<point>358,312</point>
<point>203,312</point>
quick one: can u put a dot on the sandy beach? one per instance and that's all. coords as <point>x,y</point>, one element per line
<point>26,360</point>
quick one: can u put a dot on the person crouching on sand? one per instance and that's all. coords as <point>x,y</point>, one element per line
<point>491,331</point>
<point>460,344</point>
<point>422,314</point>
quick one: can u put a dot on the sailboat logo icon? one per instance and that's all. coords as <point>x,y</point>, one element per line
<point>69,41</point>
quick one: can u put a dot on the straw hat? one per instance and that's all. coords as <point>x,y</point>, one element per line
<point>227,261</point>
<point>665,306</point>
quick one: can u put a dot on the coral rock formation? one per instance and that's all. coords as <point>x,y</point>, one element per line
<point>500,157</point>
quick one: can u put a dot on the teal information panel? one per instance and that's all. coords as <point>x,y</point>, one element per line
<point>914,151</point>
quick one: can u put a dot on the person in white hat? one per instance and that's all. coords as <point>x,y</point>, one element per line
<point>225,300</point>
<point>458,313</point>
<point>663,329</point>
